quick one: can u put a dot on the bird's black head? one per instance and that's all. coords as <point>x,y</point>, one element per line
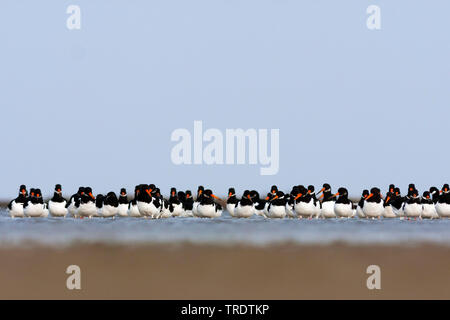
<point>434,190</point>
<point>445,188</point>
<point>391,188</point>
<point>99,200</point>
<point>111,195</point>
<point>397,191</point>
<point>188,194</point>
<point>301,189</point>
<point>231,192</point>
<point>88,191</point>
<point>426,195</point>
<point>123,192</point>
<point>311,189</point>
<point>325,188</point>
<point>58,188</point>
<point>342,191</point>
<point>274,189</point>
<point>23,190</point>
<point>365,193</point>
<point>375,190</point>
<point>38,193</point>
<point>254,195</point>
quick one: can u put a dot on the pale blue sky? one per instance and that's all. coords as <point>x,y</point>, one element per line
<point>97,106</point>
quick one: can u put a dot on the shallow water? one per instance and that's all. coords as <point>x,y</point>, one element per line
<point>224,230</point>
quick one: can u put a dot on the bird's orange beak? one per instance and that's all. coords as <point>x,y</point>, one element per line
<point>335,195</point>
<point>90,194</point>
<point>214,196</point>
<point>369,196</point>
<point>388,198</point>
<point>298,196</point>
<point>274,198</point>
<point>321,190</point>
<point>267,198</point>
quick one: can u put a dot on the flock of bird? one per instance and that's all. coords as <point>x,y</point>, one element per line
<point>301,202</point>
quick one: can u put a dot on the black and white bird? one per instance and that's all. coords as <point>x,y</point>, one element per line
<point>86,205</point>
<point>57,204</point>
<point>244,208</point>
<point>428,208</point>
<point>149,205</point>
<point>74,202</point>
<point>360,206</point>
<point>305,203</point>
<point>343,207</point>
<point>373,204</point>
<point>277,206</point>
<point>208,208</point>
<point>197,201</point>
<point>175,202</point>
<point>231,201</point>
<point>34,206</point>
<point>15,207</point>
<point>443,204</point>
<point>327,203</point>
<point>412,206</point>
<point>188,204</point>
<point>110,205</point>
<point>123,203</point>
